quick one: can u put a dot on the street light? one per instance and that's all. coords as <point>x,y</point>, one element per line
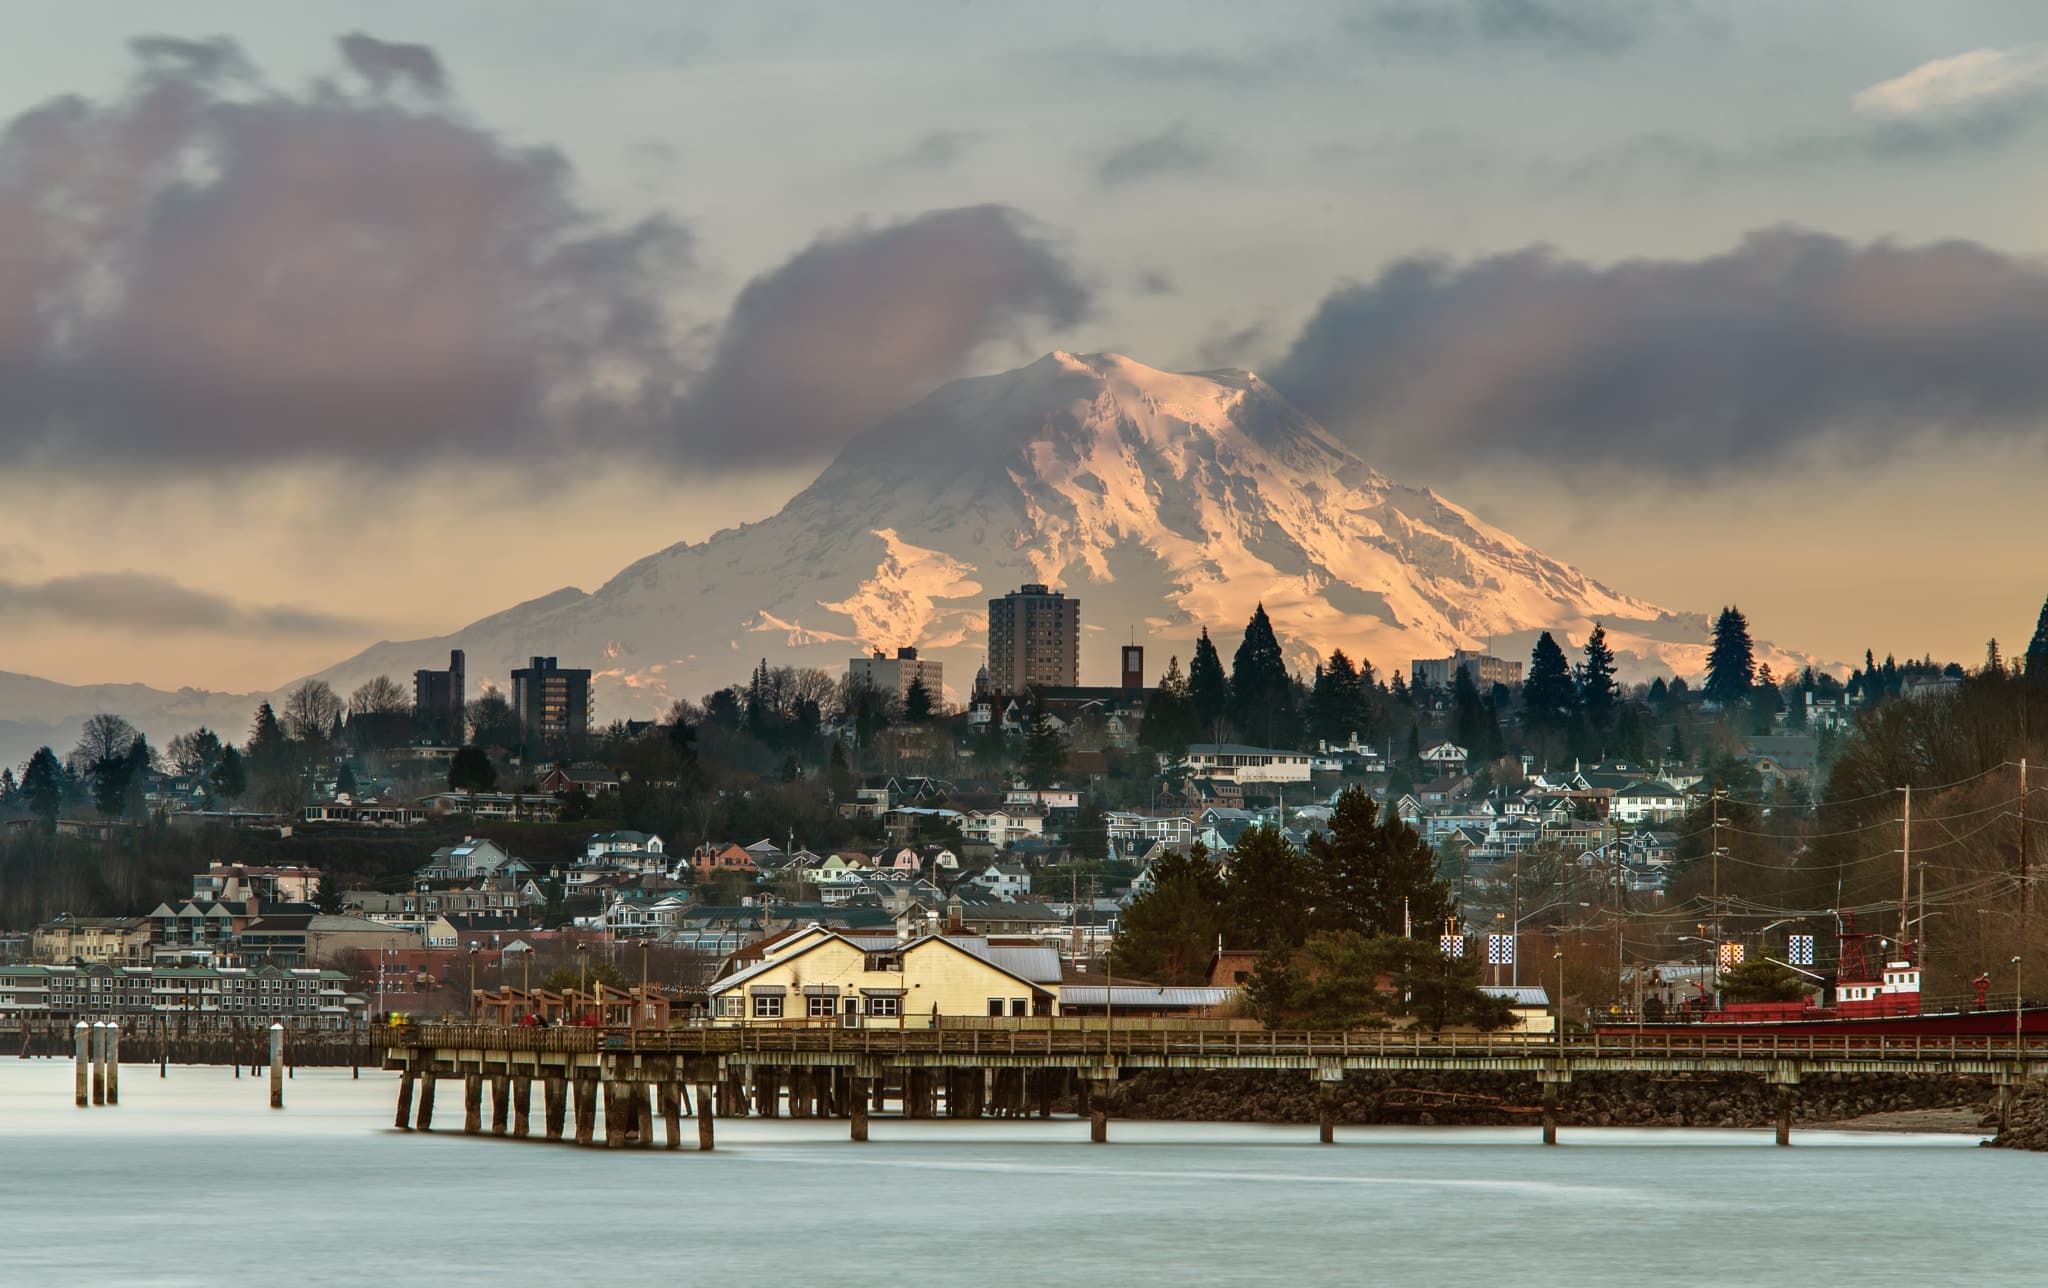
<point>2017,1012</point>
<point>1559,956</point>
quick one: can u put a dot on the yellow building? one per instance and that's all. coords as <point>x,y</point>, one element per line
<point>821,977</point>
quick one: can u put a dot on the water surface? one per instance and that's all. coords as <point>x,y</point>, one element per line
<point>193,1180</point>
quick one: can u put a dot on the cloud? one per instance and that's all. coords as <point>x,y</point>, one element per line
<point>865,320</point>
<point>938,150</point>
<point>1558,28</point>
<point>1176,150</point>
<point>1792,340</point>
<point>1232,349</point>
<point>1152,281</point>
<point>210,271</point>
<point>387,64</point>
<point>1963,83</point>
<point>149,603</point>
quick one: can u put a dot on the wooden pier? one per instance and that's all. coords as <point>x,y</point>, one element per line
<point>1022,1068</point>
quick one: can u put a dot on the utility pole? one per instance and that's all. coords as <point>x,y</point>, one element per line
<point>1714,902</point>
<point>2023,833</point>
<point>1905,863</point>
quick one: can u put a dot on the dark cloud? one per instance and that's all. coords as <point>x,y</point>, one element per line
<point>1678,367</point>
<point>1559,28</point>
<point>1153,282</point>
<point>1174,151</point>
<point>1233,348</point>
<point>209,270</point>
<point>149,603</point>
<point>385,64</point>
<point>938,150</point>
<point>863,322</point>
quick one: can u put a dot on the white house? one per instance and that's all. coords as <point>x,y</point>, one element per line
<point>1447,757</point>
<point>1647,802</point>
<point>1233,762</point>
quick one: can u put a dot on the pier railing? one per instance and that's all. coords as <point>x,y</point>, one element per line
<point>1026,1040</point>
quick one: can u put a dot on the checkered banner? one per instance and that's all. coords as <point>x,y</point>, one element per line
<point>1452,945</point>
<point>1799,948</point>
<point>1500,950</point>
<point>1731,956</point>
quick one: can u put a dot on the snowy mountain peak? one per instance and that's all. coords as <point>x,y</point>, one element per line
<point>1166,501</point>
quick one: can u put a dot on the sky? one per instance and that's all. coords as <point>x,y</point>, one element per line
<point>322,324</point>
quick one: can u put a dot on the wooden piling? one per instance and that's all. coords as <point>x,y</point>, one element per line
<point>99,1063</point>
<point>1550,1113</point>
<point>405,1089</point>
<point>113,1063</point>
<point>704,1110</point>
<point>472,1104</point>
<point>522,1107</point>
<point>1326,1111</point>
<point>616,1113</point>
<point>586,1110</point>
<point>1098,1113</point>
<point>671,1116</point>
<point>82,1041</point>
<point>642,1096</point>
<point>860,1110</point>
<point>554,1103</point>
<point>426,1119</point>
<point>1784,1114</point>
<point>501,1105</point>
<point>277,1066</point>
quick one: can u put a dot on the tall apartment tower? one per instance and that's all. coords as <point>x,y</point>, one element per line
<point>553,704</point>
<point>1034,640</point>
<point>437,699</point>
<point>896,674</point>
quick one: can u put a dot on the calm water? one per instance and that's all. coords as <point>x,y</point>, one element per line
<point>193,1180</point>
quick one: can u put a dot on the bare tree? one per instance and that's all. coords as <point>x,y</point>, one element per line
<point>105,737</point>
<point>310,712</point>
<point>380,696</point>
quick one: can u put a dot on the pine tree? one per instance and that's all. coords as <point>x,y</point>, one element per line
<point>1397,690</point>
<point>1731,662</point>
<point>1169,932</point>
<point>1373,873</point>
<point>1657,694</point>
<point>917,702</point>
<point>1268,891</point>
<point>1337,704</point>
<point>1169,723</point>
<point>1261,691</point>
<point>1045,756</point>
<point>42,784</point>
<point>1597,690</point>
<point>1208,688</point>
<point>2037,647</point>
<point>267,748</point>
<point>1548,696</point>
<point>1994,665</point>
<point>230,779</point>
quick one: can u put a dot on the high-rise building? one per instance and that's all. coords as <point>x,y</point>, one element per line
<point>437,699</point>
<point>896,674</point>
<point>1034,640</point>
<point>552,704</point>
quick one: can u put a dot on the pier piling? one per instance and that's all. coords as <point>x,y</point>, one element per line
<point>860,1110</point>
<point>113,1063</point>
<point>704,1108</point>
<point>98,1056</point>
<point>501,1105</point>
<point>472,1104</point>
<point>554,1091</point>
<point>1550,1113</point>
<point>1784,1114</point>
<point>426,1118</point>
<point>82,1040</point>
<point>522,1107</point>
<point>405,1089</point>
<point>671,1116</point>
<point>586,1110</point>
<point>277,1066</point>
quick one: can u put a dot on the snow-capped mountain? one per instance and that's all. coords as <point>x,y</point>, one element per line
<point>1165,502</point>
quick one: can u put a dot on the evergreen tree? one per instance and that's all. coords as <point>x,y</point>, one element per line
<point>1765,701</point>
<point>1657,695</point>
<point>1372,872</point>
<point>917,702</point>
<point>42,785</point>
<point>1261,691</point>
<point>1337,703</point>
<point>267,748</point>
<point>6,786</point>
<point>2037,647</point>
<point>1632,734</point>
<point>1397,691</point>
<point>1169,723</point>
<point>1548,695</point>
<point>1169,932</point>
<point>1731,662</point>
<point>1045,756</point>
<point>1208,688</point>
<point>1268,891</point>
<point>230,778</point>
<point>1597,691</point>
<point>471,770</point>
<point>1994,665</point>
<point>1676,751</point>
<point>345,780</point>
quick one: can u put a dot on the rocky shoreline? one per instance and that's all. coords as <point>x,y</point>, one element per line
<point>2026,1126</point>
<point>1591,1100</point>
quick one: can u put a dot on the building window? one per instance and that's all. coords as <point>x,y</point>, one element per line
<point>767,1007</point>
<point>995,1006</point>
<point>820,1007</point>
<point>886,1007</point>
<point>1020,1006</point>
